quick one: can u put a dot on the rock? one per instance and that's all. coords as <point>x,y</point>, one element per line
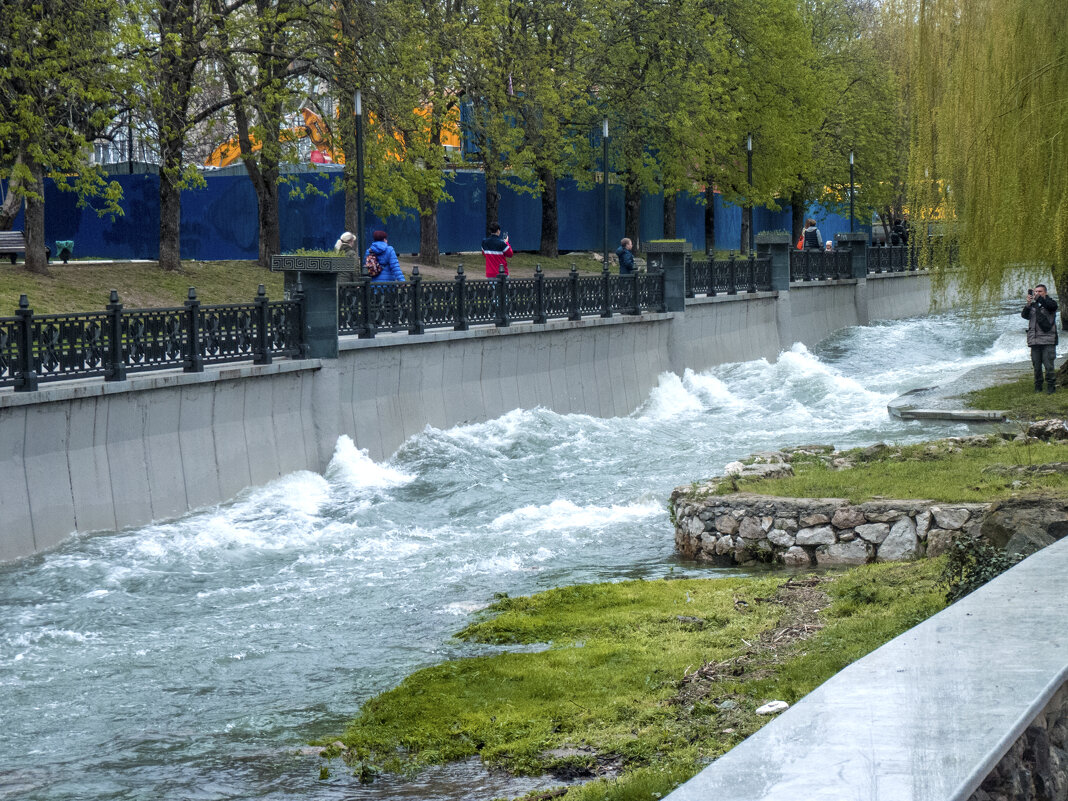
<point>1048,429</point>
<point>1033,520</point>
<point>873,451</point>
<point>856,552</point>
<point>694,526</point>
<point>950,517</point>
<point>788,524</point>
<point>727,524</point>
<point>873,532</point>
<point>847,535</point>
<point>901,544</point>
<point>728,704</point>
<point>923,524</point>
<point>884,515</point>
<point>691,622</point>
<point>796,556</point>
<point>1025,543</point>
<point>780,538</point>
<point>750,529</point>
<point>772,708</point>
<point>766,522</point>
<point>848,517</point>
<point>775,470</point>
<point>733,468</point>
<point>841,463</point>
<point>818,535</point>
<point>814,519</point>
<point>939,540</point>
<point>724,545</point>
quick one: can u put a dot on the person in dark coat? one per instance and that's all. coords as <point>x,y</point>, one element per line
<point>625,254</point>
<point>813,239</point>
<point>496,250</point>
<point>1040,311</point>
<point>387,258</point>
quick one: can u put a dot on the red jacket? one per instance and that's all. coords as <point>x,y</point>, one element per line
<point>496,251</point>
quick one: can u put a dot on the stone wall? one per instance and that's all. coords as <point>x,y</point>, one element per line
<point>740,528</point>
<point>1036,766</point>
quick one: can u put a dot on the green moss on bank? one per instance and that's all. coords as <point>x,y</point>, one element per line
<point>941,471</point>
<point>633,674</point>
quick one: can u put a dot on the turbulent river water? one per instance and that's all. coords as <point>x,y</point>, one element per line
<point>193,659</point>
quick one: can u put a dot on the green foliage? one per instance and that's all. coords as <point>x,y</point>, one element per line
<point>608,678</point>
<point>942,472</point>
<point>971,562</point>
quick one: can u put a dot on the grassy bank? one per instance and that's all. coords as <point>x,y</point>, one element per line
<point>1020,401</point>
<point>944,470</point>
<point>639,682</point>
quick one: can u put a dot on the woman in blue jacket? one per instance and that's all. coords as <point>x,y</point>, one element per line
<point>387,258</point>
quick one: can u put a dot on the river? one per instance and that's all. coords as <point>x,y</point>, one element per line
<point>193,659</point>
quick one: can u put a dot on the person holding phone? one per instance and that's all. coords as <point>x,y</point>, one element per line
<point>1040,311</point>
<point>496,250</point>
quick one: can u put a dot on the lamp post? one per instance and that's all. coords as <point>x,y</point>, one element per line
<point>604,181</point>
<point>749,178</point>
<point>360,226</point>
<point>850,191</point>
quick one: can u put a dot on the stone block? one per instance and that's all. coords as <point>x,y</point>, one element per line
<point>939,540</point>
<point>782,539</point>
<point>694,526</point>
<point>788,524</point>
<point>815,535</point>
<point>848,517</point>
<point>843,553</point>
<point>727,524</point>
<point>884,515</point>
<point>847,535</point>
<point>796,556</point>
<point>814,519</point>
<point>750,529</point>
<point>950,517</point>
<point>873,532</point>
<point>923,524</point>
<point>901,544</point>
<point>724,545</point>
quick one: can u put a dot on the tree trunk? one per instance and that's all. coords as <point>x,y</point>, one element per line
<point>347,117</point>
<point>747,222</point>
<point>797,218</point>
<point>710,217</point>
<point>36,262</point>
<point>270,231</point>
<point>670,214</point>
<point>493,198</point>
<point>170,207</point>
<point>550,228</point>
<point>428,230</point>
<point>12,201</point>
<point>632,203</point>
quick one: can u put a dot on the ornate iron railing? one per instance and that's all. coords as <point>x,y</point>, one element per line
<point>112,343</point>
<point>890,259</point>
<point>821,265</point>
<point>727,276</point>
<point>366,307</point>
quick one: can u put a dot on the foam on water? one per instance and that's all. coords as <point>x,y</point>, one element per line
<point>238,633</point>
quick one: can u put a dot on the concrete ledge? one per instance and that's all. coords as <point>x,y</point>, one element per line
<point>723,298</point>
<point>78,388</point>
<point>924,718</point>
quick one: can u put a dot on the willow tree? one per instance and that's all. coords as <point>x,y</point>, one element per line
<point>989,142</point>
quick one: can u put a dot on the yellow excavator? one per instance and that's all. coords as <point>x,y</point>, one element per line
<point>324,150</point>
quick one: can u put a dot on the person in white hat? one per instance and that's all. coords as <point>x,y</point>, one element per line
<point>346,243</point>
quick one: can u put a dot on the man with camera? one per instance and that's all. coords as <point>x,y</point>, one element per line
<point>1041,315</point>
<point>496,250</point>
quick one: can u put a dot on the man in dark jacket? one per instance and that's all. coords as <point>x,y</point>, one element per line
<point>1040,312</point>
<point>625,254</point>
<point>496,250</point>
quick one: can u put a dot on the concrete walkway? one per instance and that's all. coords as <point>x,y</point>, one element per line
<point>945,402</point>
<point>924,718</point>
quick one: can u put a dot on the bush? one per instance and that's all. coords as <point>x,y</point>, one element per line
<point>971,562</point>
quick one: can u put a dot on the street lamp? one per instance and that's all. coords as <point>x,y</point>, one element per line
<point>749,178</point>
<point>604,181</point>
<point>360,227</point>
<point>850,191</point>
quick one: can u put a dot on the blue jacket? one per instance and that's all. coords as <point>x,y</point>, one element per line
<point>387,258</point>
<point>626,260</point>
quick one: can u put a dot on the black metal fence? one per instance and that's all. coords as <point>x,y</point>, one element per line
<point>112,343</point>
<point>728,276</point>
<point>821,265</point>
<point>891,259</point>
<point>366,307</point>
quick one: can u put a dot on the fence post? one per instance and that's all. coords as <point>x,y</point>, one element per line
<point>194,360</point>
<point>777,248</point>
<point>461,300</point>
<point>752,271</point>
<point>857,243</point>
<point>26,380</point>
<point>606,292</point>
<point>670,254</point>
<point>262,351</point>
<point>367,318</point>
<point>539,295</point>
<point>115,369</point>
<point>635,295</point>
<point>501,296</point>
<point>732,275</point>
<point>690,280</point>
<point>416,323</point>
<point>573,295</point>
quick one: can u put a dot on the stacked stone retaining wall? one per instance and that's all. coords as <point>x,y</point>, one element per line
<point>740,528</point>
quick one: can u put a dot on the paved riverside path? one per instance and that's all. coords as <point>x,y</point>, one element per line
<point>927,716</point>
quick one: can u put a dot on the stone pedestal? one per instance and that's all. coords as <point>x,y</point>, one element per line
<point>669,255</point>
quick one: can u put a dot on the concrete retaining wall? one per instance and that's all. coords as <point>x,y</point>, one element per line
<point>89,455</point>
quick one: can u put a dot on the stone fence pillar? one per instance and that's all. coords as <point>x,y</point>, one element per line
<point>317,278</point>
<point>777,247</point>
<point>669,255</point>
<point>858,243</point>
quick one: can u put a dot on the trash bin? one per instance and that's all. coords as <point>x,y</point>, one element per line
<point>65,248</point>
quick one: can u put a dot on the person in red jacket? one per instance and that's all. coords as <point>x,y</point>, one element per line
<point>496,250</point>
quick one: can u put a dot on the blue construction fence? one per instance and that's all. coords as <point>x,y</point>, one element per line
<point>220,220</point>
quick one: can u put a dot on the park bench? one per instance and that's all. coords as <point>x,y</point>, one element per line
<point>12,242</point>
